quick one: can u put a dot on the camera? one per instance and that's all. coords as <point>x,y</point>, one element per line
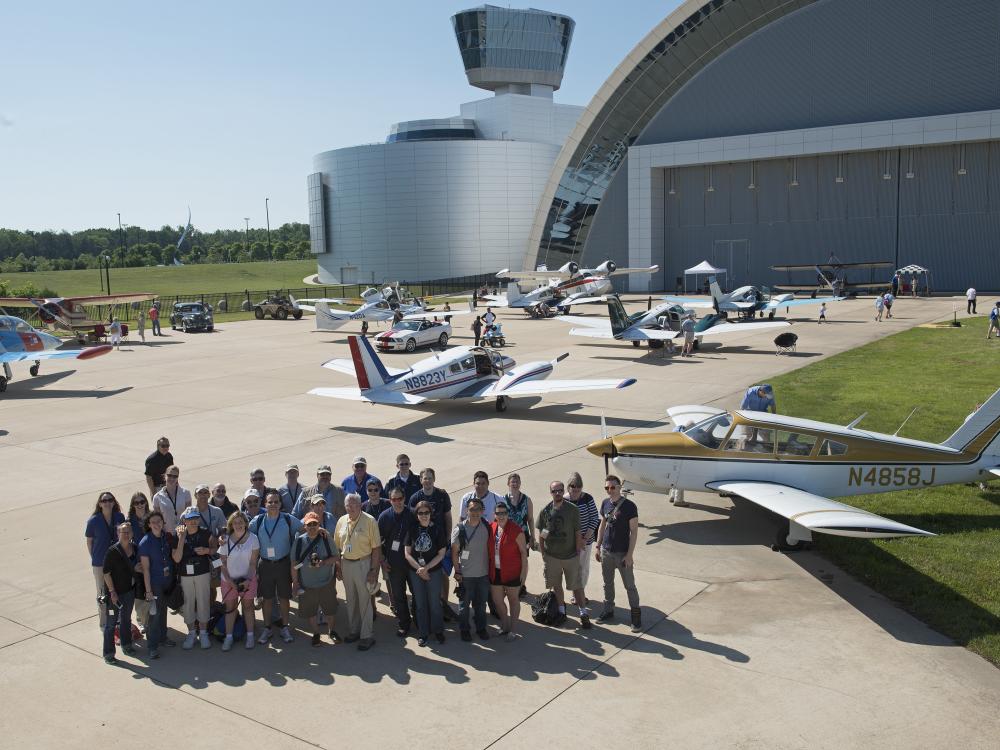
<point>314,560</point>
<point>241,584</point>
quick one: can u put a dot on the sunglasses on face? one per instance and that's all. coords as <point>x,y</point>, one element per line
<point>573,486</point>
<point>311,524</point>
<point>557,490</point>
<point>423,512</point>
<point>253,502</point>
<point>172,476</point>
<point>373,489</point>
<point>256,479</point>
<point>107,500</point>
<point>139,504</point>
<point>611,486</point>
<point>500,513</point>
<point>401,464</point>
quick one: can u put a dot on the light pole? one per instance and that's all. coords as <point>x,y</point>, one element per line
<point>121,255</point>
<point>246,237</point>
<point>107,271</point>
<point>267,214</point>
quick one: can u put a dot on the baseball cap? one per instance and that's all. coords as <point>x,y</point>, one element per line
<point>251,493</point>
<point>324,469</point>
<point>291,467</point>
<point>359,460</point>
<point>190,513</point>
<point>310,517</point>
<point>315,499</point>
<point>201,487</point>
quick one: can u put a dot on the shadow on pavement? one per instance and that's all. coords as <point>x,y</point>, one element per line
<point>743,524</point>
<point>30,388</point>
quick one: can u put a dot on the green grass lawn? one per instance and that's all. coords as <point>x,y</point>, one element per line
<point>174,280</point>
<point>951,581</point>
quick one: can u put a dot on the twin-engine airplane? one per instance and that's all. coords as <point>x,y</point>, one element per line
<point>19,342</point>
<point>463,372</point>
<point>69,313</point>
<point>569,285</point>
<point>792,467</point>
<point>747,301</point>
<point>656,325</point>
<point>377,306</point>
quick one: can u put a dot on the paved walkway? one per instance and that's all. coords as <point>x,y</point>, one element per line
<point>743,647</point>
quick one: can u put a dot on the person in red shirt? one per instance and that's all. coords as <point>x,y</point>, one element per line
<point>508,568</point>
<point>154,320</point>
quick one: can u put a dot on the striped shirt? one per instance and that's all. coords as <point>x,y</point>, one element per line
<point>590,519</point>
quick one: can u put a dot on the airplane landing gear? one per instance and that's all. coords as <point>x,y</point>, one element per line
<point>785,541</point>
<point>501,403</point>
<point>34,368</point>
<point>3,384</point>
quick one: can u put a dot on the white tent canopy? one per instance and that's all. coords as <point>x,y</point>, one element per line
<point>701,269</point>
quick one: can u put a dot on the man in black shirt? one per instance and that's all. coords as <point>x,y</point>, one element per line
<point>119,569</point>
<point>616,538</point>
<point>156,466</point>
<point>394,527</point>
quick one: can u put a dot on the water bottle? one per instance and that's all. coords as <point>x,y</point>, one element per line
<point>152,608</point>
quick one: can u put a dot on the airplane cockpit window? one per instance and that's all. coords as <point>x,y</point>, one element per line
<point>455,367</point>
<point>6,324</point>
<point>468,362</point>
<point>710,432</point>
<point>21,327</point>
<point>795,443</point>
<point>832,448</point>
<point>483,364</point>
<point>497,358</point>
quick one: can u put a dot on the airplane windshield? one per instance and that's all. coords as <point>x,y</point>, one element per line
<point>710,432</point>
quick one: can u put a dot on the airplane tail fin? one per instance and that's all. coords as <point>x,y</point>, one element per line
<point>981,430</point>
<point>717,295</point>
<point>367,366</point>
<point>616,311</point>
<point>325,319</point>
<point>513,292</point>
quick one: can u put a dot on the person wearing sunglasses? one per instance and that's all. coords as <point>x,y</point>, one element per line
<point>440,502</point>
<point>157,464</point>
<point>221,500</point>
<point>119,571</point>
<point>405,479</point>
<point>590,519</point>
<point>315,558</point>
<point>360,548</point>
<point>193,555</point>
<point>376,500</point>
<point>521,511</point>
<point>508,552</point>
<point>470,559</point>
<point>172,499</point>
<point>101,532</point>
<point>561,541</point>
<point>424,550</point>
<point>616,538</point>
<point>252,506</point>
<point>394,527</point>
<point>157,572</point>
<point>138,511</point>
<point>258,482</point>
<point>239,553</point>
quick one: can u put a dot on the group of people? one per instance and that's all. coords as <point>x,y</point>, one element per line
<point>994,314</point>
<point>220,562</point>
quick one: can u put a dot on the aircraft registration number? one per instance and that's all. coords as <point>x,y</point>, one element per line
<point>891,476</point>
<point>428,378</point>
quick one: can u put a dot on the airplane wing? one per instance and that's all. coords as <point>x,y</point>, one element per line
<point>580,320</point>
<point>440,313</point>
<point>592,333</point>
<point>689,301</point>
<point>622,271</point>
<point>645,334</point>
<point>392,398</point>
<point>346,366</point>
<point>541,387</point>
<point>775,304</point>
<point>111,299</point>
<point>814,266</point>
<point>580,299</point>
<point>89,353</point>
<point>534,275</point>
<point>817,513</point>
<point>722,329</point>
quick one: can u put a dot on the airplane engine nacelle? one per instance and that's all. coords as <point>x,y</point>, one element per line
<point>570,267</point>
<point>607,266</point>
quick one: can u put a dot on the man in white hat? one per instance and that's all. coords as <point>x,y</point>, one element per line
<point>291,493</point>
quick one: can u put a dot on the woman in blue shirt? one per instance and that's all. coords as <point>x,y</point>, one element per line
<point>157,573</point>
<point>101,533</point>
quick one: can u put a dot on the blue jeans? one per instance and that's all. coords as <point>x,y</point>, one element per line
<point>477,591</point>
<point>427,597</point>
<point>123,618</point>
<point>156,628</point>
<point>156,327</point>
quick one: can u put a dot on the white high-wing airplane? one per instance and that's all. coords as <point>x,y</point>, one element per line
<point>20,342</point>
<point>747,301</point>
<point>567,286</point>
<point>793,466</point>
<point>656,325</point>
<point>460,373</point>
<point>376,306</point>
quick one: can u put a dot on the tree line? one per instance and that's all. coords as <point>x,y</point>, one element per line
<point>62,251</point>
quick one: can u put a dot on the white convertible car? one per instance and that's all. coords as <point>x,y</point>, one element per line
<point>407,335</point>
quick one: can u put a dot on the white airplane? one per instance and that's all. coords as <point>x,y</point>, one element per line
<point>569,285</point>
<point>20,342</point>
<point>747,301</point>
<point>656,325</point>
<point>461,373</point>
<point>792,466</point>
<point>377,306</point>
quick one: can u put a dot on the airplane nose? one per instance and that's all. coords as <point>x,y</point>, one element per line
<point>603,447</point>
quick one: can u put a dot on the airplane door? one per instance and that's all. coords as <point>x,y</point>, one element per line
<point>350,275</point>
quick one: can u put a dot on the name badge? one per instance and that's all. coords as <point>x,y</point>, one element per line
<point>347,548</point>
<point>189,569</point>
<point>216,563</point>
<point>166,571</point>
<point>395,546</point>
<point>271,553</point>
<point>465,555</point>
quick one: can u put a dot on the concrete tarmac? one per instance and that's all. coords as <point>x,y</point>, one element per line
<point>743,647</point>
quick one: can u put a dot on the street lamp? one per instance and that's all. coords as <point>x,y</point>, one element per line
<point>267,214</point>
<point>121,255</point>
<point>107,272</point>
<point>246,237</point>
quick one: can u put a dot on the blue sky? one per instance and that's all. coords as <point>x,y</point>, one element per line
<point>145,108</point>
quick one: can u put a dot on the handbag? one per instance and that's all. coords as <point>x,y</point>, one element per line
<point>173,594</point>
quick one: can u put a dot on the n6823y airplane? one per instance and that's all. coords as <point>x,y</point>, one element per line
<point>793,466</point>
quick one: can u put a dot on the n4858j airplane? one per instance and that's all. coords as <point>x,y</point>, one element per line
<point>465,372</point>
<point>19,342</point>
<point>793,466</point>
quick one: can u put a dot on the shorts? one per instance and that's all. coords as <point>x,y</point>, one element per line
<point>511,582</point>
<point>310,600</point>
<point>231,597</point>
<point>554,569</point>
<point>274,578</point>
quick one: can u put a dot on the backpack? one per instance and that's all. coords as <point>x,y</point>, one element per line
<point>545,610</point>
<point>217,627</point>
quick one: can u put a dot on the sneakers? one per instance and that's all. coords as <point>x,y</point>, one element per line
<point>154,653</point>
<point>440,637</point>
<point>169,642</point>
<point>110,659</point>
<point>286,635</point>
<point>511,637</point>
<point>637,620</point>
<point>315,639</point>
<point>483,634</point>
<point>335,637</point>
<point>365,644</point>
<point>585,622</point>
<point>422,641</point>
<point>129,650</point>
<point>353,638</point>
<point>205,643</point>
<point>227,644</point>
<point>466,636</point>
<point>265,636</point>
<point>189,641</point>
<point>249,643</point>
<point>606,616</point>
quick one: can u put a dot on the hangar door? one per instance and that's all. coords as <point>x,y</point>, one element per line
<point>734,256</point>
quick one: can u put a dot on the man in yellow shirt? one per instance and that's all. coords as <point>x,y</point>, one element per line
<point>360,547</point>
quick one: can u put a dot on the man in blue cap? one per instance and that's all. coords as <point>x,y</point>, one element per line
<point>759,398</point>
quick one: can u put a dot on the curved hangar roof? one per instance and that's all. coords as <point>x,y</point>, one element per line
<point>683,44</point>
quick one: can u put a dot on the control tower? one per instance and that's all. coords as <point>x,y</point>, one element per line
<point>512,51</point>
